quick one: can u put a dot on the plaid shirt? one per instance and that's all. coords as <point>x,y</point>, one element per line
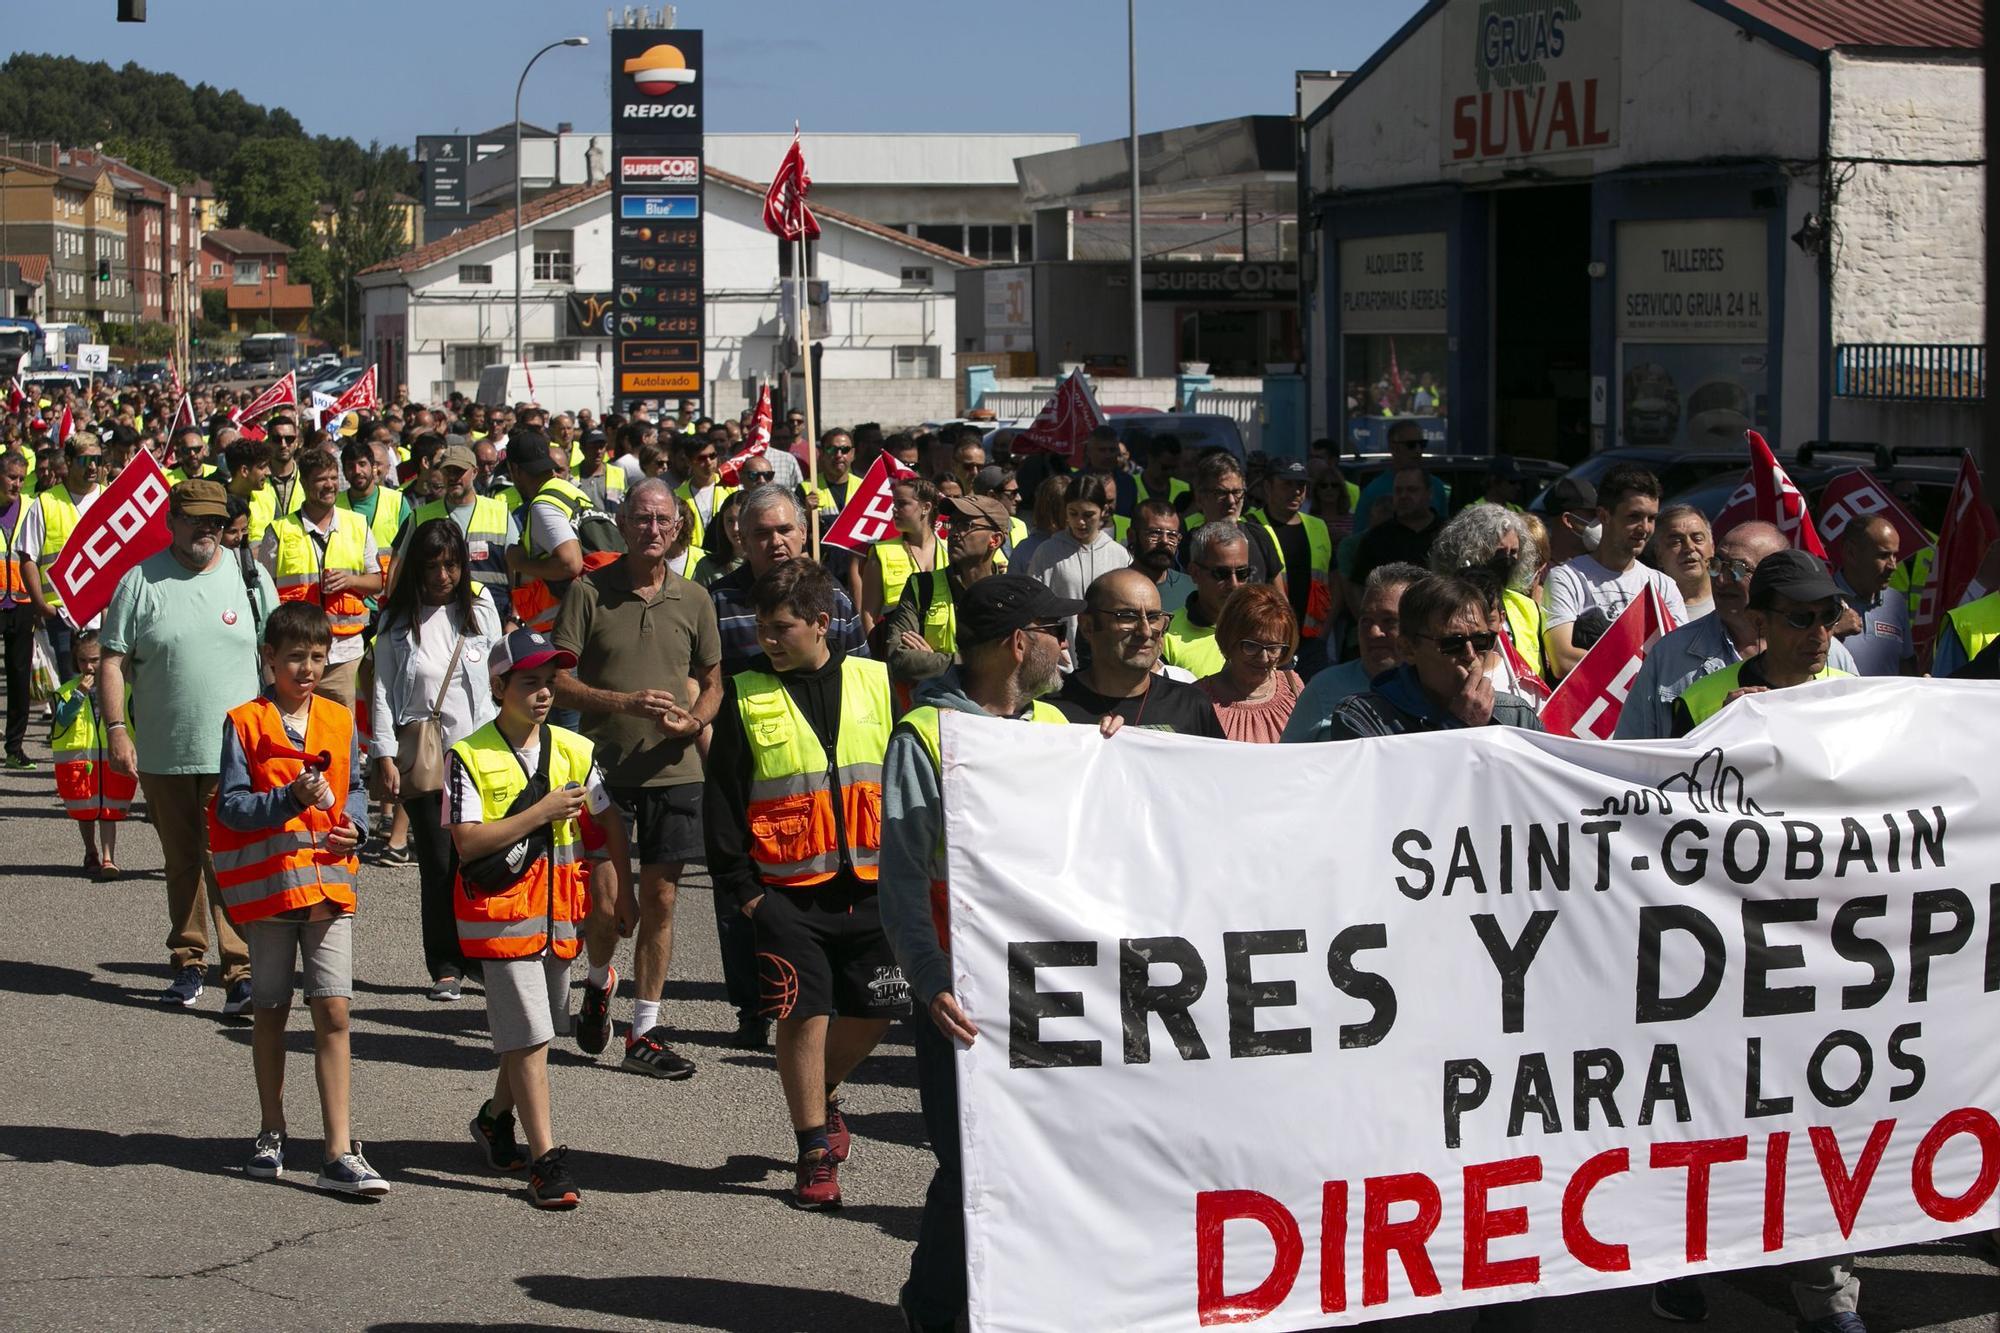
<point>736,622</point>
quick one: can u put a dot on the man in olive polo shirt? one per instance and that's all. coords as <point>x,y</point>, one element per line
<point>648,678</point>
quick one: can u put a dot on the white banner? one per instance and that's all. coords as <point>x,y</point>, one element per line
<point>1315,1035</point>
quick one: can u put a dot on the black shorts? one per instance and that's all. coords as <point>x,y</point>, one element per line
<point>665,822</point>
<point>824,953</point>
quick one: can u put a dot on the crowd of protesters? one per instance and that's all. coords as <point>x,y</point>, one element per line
<point>554,660</point>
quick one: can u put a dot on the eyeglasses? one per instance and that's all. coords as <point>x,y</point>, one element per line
<point>1736,570</point>
<point>1229,573</point>
<point>1451,645</point>
<point>1058,631</point>
<point>1804,620</point>
<point>1165,536</point>
<point>1258,648</point>
<point>1129,620</point>
<point>1236,494</point>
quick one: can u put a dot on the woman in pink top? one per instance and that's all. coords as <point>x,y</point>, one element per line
<point>1255,691</point>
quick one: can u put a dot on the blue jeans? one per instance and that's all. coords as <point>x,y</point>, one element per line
<point>935,1293</point>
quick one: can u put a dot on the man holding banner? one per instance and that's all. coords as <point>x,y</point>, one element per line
<point>181,633</point>
<point>1446,629</point>
<point>1795,604</point>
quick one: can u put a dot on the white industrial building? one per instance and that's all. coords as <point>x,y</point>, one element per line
<point>1655,221</point>
<point>435,316</point>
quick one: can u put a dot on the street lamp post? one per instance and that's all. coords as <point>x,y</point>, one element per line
<point>567,41</point>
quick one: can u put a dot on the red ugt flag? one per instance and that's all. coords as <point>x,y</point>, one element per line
<point>1768,494</point>
<point>65,427</point>
<point>126,524</point>
<point>1969,528</point>
<point>1587,703</point>
<point>869,515</point>
<point>285,393</point>
<point>785,213</point>
<point>360,396</point>
<point>183,417</point>
<point>1064,422</point>
<point>731,472</point>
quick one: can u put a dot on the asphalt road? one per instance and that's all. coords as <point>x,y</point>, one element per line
<point>124,1127</point>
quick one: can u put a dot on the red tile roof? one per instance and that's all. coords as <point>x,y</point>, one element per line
<point>1909,24</point>
<point>34,268</point>
<point>556,201</point>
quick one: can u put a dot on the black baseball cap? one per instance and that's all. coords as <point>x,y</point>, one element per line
<point>593,436</point>
<point>1504,468</point>
<point>1287,469</point>
<point>999,604</point>
<point>1792,574</point>
<point>529,455</point>
<point>1569,495</point>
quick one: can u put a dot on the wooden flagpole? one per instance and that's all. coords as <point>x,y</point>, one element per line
<point>805,379</point>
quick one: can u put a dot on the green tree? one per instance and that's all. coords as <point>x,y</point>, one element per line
<point>273,186</point>
<point>365,228</point>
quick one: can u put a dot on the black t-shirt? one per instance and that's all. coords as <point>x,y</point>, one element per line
<point>1387,543</point>
<point>1296,547</point>
<point>1167,705</point>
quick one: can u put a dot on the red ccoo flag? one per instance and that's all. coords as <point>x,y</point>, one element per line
<point>1064,422</point>
<point>1769,495</point>
<point>1969,528</point>
<point>183,417</point>
<point>1587,703</point>
<point>786,215</point>
<point>126,524</point>
<point>731,473</point>
<point>285,393</point>
<point>869,515</point>
<point>360,396</point>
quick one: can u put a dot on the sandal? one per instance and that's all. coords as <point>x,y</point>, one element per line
<point>108,871</point>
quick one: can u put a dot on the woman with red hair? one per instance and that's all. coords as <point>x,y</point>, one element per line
<point>1256,689</point>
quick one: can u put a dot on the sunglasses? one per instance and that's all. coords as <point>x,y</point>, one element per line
<point>755,477</point>
<point>1452,645</point>
<point>1229,573</point>
<point>840,449</point>
<point>1734,570</point>
<point>1059,631</point>
<point>1804,620</point>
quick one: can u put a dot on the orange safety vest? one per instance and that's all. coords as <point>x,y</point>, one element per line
<point>91,789</point>
<point>802,801</point>
<point>270,870</point>
<point>542,907</point>
<point>12,581</point>
<point>535,602</point>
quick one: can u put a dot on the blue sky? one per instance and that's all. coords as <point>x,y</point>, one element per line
<point>393,69</point>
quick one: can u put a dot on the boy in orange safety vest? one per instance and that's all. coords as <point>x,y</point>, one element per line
<point>283,829</point>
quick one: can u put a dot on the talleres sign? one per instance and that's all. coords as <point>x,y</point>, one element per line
<point>1530,79</point>
<point>1295,1050</point>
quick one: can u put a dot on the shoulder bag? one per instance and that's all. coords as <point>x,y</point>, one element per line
<point>420,742</point>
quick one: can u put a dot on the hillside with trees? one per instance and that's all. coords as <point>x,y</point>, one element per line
<point>271,176</point>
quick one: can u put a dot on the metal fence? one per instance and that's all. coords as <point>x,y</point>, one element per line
<point>1911,372</point>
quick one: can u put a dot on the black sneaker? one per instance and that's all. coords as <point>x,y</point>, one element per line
<point>752,1033</point>
<point>593,1020</point>
<point>649,1054</point>
<point>395,856</point>
<point>549,1183</point>
<point>185,990</point>
<point>19,762</point>
<point>445,990</point>
<point>1680,1299</point>
<point>495,1134</point>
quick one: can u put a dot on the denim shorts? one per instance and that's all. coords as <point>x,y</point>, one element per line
<point>324,950</point>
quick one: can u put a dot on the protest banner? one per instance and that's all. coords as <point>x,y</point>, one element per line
<point>869,514</point>
<point>1767,493</point>
<point>285,393</point>
<point>1064,422</point>
<point>1585,1015</point>
<point>125,525</point>
<point>1591,697</point>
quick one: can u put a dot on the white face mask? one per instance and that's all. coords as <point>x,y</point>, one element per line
<point>1591,534</point>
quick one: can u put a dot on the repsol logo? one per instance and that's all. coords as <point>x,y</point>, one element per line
<point>659,111</point>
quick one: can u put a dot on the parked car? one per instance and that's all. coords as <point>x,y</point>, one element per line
<point>1465,474</point>
<point>1921,477</point>
<point>1678,467</point>
<point>150,372</point>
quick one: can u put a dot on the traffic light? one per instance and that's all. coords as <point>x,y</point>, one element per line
<point>104,270</point>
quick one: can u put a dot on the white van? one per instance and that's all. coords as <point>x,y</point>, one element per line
<point>559,386</point>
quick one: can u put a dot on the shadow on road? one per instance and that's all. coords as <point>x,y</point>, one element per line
<point>28,978</point>
<point>712,1303</point>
